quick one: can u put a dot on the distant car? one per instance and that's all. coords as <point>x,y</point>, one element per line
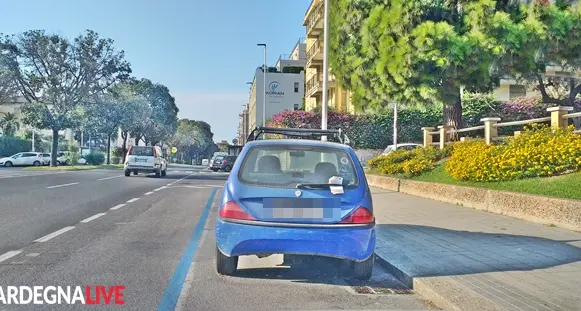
<point>299,197</point>
<point>23,159</point>
<point>145,159</point>
<point>406,146</point>
<point>223,163</point>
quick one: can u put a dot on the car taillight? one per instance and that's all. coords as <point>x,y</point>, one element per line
<point>232,210</point>
<point>225,161</point>
<point>360,216</point>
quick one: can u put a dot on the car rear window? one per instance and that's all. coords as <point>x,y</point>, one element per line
<point>141,151</point>
<point>289,165</point>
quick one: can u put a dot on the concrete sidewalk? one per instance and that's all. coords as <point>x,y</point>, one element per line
<point>465,259</point>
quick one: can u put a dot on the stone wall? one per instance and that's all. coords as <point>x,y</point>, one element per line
<point>545,210</point>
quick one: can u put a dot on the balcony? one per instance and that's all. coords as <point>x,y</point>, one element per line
<point>314,19</point>
<point>314,86</point>
<point>315,55</point>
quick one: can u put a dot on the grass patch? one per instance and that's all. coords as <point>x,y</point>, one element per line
<point>73,167</point>
<point>564,186</point>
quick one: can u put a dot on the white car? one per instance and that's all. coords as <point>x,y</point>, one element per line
<point>145,159</point>
<point>407,146</point>
<point>23,159</point>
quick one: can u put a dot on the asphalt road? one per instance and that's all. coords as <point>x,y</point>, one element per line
<point>155,237</point>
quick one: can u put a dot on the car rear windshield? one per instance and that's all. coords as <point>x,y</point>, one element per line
<point>141,151</point>
<point>289,165</point>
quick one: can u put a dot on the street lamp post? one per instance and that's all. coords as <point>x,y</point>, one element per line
<point>395,126</point>
<point>33,140</point>
<point>324,104</point>
<point>265,69</point>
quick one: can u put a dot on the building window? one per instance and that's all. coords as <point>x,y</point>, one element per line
<point>296,87</point>
<point>296,107</point>
<point>517,91</point>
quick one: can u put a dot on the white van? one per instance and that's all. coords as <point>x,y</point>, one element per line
<point>146,160</point>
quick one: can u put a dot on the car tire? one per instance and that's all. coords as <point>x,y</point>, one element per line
<point>135,173</point>
<point>227,169</point>
<point>127,173</point>
<point>36,163</point>
<point>163,173</point>
<point>362,270</point>
<point>58,163</point>
<point>158,173</point>
<point>225,265</point>
<point>8,164</point>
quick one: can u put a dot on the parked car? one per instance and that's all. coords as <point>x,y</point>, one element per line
<point>405,146</point>
<point>23,159</point>
<point>145,159</point>
<point>223,163</point>
<point>299,197</point>
<point>62,158</point>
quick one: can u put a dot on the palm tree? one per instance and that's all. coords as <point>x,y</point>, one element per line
<point>9,124</point>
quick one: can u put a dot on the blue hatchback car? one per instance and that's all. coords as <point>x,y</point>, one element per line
<point>296,196</point>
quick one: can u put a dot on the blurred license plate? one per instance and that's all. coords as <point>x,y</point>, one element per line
<point>140,160</point>
<point>306,213</point>
<point>300,208</point>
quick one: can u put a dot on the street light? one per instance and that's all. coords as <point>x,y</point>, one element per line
<point>325,69</point>
<point>264,90</point>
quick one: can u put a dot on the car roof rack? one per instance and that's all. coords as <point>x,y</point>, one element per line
<point>298,132</point>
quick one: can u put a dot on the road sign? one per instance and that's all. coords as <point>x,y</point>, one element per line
<point>174,149</point>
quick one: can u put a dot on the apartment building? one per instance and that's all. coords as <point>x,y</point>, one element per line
<point>284,91</point>
<point>243,131</point>
<point>297,57</point>
<point>15,109</point>
<point>338,98</point>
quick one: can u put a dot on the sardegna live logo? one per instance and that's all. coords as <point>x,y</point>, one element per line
<point>62,295</point>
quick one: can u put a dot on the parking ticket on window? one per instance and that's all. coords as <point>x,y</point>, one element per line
<point>336,180</point>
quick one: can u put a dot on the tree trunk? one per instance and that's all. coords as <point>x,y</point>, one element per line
<point>108,149</point>
<point>124,136</point>
<point>55,147</point>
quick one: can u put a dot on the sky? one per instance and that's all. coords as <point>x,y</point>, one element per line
<point>203,51</point>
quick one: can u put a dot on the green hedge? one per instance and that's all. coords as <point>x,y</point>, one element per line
<point>365,131</point>
<point>11,145</point>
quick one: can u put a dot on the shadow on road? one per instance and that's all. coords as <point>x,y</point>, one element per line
<point>322,270</point>
<point>432,251</point>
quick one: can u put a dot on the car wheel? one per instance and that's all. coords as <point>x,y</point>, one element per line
<point>158,173</point>
<point>8,164</point>
<point>127,173</point>
<point>225,265</point>
<point>135,173</point>
<point>164,172</point>
<point>36,163</point>
<point>58,163</point>
<point>362,270</point>
<point>227,169</point>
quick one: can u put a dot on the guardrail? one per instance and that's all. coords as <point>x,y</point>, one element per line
<point>559,118</point>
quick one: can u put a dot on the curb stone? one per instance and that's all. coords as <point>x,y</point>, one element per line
<point>444,292</point>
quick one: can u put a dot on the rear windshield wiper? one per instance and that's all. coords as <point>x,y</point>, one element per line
<point>314,186</point>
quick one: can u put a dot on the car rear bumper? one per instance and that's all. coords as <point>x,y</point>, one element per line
<point>135,168</point>
<point>235,239</point>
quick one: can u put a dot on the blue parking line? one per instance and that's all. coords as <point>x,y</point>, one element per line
<point>174,288</point>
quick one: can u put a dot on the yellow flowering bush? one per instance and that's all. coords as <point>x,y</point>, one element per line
<point>409,162</point>
<point>539,151</point>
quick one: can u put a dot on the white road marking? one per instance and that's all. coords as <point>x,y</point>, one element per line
<point>148,193</point>
<point>9,255</point>
<point>54,234</point>
<point>196,187</point>
<point>110,177</point>
<point>93,217</point>
<point>118,206</point>
<point>160,188</point>
<point>169,184</point>
<point>132,200</point>
<point>63,185</point>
